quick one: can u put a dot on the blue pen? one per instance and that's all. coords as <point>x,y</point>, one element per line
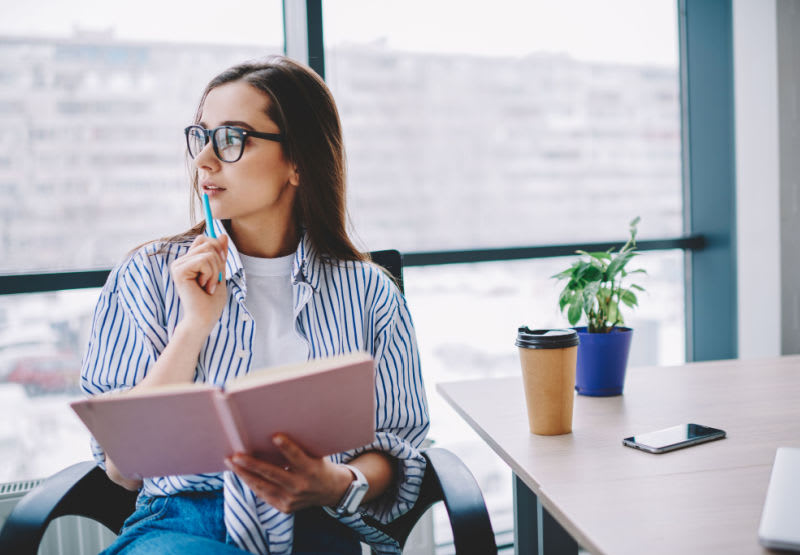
<point>210,223</point>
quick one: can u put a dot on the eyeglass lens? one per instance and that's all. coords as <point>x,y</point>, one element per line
<point>228,142</point>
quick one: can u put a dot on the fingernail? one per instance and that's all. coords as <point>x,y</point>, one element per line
<point>278,440</point>
<point>238,459</point>
<point>212,288</point>
<point>229,464</point>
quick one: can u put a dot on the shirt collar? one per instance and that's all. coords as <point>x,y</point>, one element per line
<point>305,268</point>
<point>306,263</point>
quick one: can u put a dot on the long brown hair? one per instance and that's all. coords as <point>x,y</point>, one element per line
<point>303,108</point>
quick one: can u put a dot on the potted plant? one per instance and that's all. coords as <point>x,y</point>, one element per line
<point>597,288</point>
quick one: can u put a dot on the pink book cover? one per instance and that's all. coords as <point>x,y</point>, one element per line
<point>326,405</point>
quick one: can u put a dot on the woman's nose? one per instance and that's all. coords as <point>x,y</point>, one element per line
<point>206,159</point>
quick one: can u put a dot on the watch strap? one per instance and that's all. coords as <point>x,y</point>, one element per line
<point>353,496</point>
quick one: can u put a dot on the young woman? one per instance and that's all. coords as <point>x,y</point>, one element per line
<point>267,150</point>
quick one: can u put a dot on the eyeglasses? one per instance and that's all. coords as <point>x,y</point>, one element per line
<point>228,141</point>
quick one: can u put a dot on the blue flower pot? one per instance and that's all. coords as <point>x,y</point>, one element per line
<point>602,360</point>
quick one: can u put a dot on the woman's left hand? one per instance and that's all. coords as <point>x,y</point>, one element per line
<point>305,482</point>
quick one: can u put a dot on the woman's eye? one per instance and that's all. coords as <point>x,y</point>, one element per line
<point>233,138</point>
<point>227,138</point>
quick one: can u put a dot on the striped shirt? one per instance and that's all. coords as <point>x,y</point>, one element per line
<point>339,308</point>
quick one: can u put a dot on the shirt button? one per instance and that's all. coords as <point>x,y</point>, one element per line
<point>241,353</point>
<point>246,318</point>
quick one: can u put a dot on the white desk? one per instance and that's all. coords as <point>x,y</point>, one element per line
<point>616,500</point>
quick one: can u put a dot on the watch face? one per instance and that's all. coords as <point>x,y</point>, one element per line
<point>362,489</point>
<point>354,494</point>
<point>354,497</point>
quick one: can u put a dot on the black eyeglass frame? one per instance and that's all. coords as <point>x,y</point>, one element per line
<point>209,134</point>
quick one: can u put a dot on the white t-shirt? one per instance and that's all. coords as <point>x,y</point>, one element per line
<point>269,301</point>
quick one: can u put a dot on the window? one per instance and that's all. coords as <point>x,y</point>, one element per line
<point>488,129</point>
<point>94,97</point>
<point>97,95</point>
<point>509,124</point>
<point>466,126</point>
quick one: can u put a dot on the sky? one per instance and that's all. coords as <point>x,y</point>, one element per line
<point>626,31</point>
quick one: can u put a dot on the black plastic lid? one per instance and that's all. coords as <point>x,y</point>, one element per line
<point>546,339</point>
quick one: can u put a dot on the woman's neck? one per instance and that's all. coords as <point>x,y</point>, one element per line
<point>264,239</point>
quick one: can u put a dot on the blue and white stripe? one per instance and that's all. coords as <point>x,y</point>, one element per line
<point>339,307</point>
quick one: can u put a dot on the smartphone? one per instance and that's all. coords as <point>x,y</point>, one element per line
<point>673,438</point>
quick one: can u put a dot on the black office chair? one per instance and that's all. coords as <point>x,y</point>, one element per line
<point>85,490</point>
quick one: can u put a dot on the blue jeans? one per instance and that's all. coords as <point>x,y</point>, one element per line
<point>193,523</point>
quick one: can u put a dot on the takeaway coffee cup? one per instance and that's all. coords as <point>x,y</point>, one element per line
<point>548,374</point>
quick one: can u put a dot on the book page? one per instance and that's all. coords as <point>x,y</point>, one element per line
<point>326,410</point>
<point>167,389</point>
<point>292,371</point>
<point>159,434</point>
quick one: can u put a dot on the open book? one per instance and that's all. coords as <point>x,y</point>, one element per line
<point>326,405</point>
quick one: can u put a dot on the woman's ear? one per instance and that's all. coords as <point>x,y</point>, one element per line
<point>294,177</point>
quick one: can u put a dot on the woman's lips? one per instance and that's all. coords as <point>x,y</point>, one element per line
<point>212,190</point>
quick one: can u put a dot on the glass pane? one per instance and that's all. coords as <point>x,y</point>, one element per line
<point>42,339</point>
<point>93,102</point>
<point>507,123</point>
<point>466,317</point>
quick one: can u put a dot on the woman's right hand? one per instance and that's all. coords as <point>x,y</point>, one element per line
<point>196,277</point>
<point>132,484</point>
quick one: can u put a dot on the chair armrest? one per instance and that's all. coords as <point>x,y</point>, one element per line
<point>469,519</point>
<point>82,489</point>
<point>449,480</point>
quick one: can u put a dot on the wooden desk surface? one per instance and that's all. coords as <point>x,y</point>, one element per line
<point>614,499</point>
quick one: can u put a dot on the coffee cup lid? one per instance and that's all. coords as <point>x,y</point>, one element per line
<point>546,339</point>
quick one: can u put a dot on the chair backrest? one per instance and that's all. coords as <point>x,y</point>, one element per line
<point>392,262</point>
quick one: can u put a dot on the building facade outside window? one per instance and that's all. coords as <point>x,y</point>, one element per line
<point>93,101</point>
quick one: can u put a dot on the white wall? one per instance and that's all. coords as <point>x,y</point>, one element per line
<point>758,180</point>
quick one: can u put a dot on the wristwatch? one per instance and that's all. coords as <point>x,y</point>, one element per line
<point>352,498</point>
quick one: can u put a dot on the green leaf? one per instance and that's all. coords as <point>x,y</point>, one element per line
<point>637,287</point>
<point>564,299</point>
<point>628,297</point>
<point>588,300</point>
<point>600,256</point>
<point>574,313</point>
<point>575,285</point>
<point>581,271</point>
<point>617,264</point>
<point>613,312</point>
<point>593,273</point>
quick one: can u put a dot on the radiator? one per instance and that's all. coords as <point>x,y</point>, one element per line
<point>71,535</point>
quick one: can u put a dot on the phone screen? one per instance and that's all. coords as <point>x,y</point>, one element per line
<point>673,438</point>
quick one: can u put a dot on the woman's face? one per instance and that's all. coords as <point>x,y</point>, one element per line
<point>262,183</point>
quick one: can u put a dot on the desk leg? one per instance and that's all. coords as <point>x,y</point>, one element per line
<point>536,532</point>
